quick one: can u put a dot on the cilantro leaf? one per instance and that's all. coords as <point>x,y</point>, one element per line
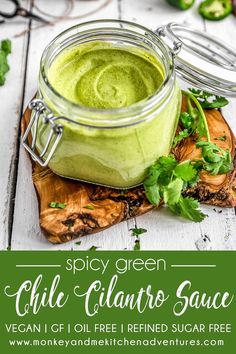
<point>182,135</point>
<point>89,206</point>
<point>185,171</point>
<point>216,160</point>
<point>201,129</point>
<point>153,174</point>
<point>152,193</point>
<point>159,174</point>
<point>172,192</point>
<point>57,205</point>
<point>209,100</point>
<point>4,67</point>
<point>218,102</point>
<point>187,120</point>
<point>188,208</point>
<point>138,231</point>
<point>5,49</point>
<point>6,46</point>
<point>93,248</point>
<point>221,138</point>
<point>194,91</point>
<point>61,205</point>
<point>170,182</point>
<point>2,76</point>
<point>167,163</point>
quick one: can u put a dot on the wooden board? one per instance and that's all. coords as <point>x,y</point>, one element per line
<point>164,231</point>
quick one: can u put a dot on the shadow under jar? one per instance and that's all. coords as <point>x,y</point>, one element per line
<point>106,145</point>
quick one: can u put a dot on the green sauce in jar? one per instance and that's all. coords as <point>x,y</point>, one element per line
<point>116,87</point>
<point>103,76</point>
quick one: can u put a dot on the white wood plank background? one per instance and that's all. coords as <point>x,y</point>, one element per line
<point>19,226</point>
<point>11,100</point>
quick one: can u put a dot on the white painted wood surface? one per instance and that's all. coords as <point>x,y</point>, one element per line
<point>19,221</point>
<point>11,98</point>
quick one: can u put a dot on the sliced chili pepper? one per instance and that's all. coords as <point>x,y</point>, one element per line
<point>215,10</point>
<point>181,4</point>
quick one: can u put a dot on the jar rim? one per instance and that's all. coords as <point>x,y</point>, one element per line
<point>131,111</point>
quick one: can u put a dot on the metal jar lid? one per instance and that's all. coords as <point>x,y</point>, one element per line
<point>201,59</point>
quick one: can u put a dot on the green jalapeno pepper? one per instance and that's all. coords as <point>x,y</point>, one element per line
<point>215,10</point>
<point>181,4</point>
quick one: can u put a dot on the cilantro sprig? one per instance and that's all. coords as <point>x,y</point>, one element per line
<point>215,160</point>
<point>167,179</point>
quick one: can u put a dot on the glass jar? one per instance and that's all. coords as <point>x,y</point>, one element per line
<point>112,147</point>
